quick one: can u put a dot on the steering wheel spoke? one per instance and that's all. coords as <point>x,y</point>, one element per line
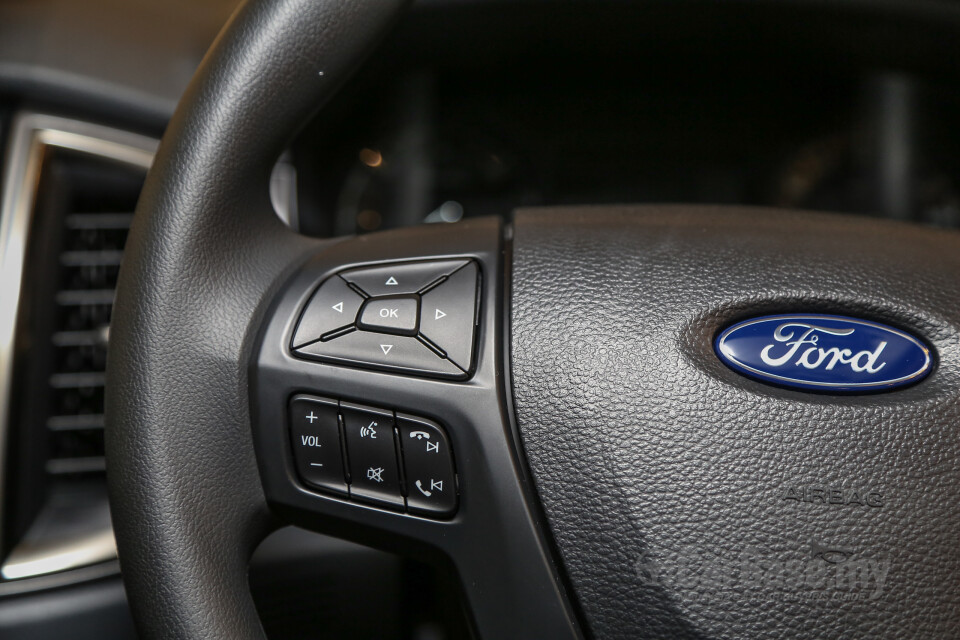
<point>484,521</point>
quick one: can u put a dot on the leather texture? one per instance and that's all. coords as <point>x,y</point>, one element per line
<point>204,253</point>
<point>663,473</point>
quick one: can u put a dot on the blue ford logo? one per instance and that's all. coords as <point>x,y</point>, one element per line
<point>824,352</point>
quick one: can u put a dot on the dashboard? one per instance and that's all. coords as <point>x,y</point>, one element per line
<point>470,109</point>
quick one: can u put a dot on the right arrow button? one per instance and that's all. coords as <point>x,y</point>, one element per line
<point>449,312</point>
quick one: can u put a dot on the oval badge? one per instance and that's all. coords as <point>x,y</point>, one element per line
<point>824,353</point>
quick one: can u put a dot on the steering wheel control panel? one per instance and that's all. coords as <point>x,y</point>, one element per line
<point>373,455</point>
<point>412,317</point>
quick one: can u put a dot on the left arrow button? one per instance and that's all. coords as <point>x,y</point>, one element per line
<point>333,306</point>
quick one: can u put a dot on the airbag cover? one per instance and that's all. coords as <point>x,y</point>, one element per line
<point>686,500</point>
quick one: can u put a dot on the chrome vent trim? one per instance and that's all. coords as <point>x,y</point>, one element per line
<point>31,135</point>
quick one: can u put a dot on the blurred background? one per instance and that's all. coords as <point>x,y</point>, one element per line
<point>484,107</point>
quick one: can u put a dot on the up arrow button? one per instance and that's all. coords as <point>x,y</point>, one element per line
<point>400,278</point>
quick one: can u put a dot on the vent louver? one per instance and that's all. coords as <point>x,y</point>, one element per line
<point>69,192</point>
<point>88,264</point>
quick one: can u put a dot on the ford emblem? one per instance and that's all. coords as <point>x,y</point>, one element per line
<point>824,352</point>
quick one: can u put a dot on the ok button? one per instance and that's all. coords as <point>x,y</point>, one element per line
<point>397,314</point>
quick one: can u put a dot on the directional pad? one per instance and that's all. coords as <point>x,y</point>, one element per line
<point>418,318</point>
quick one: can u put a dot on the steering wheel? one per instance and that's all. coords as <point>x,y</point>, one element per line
<point>538,405</point>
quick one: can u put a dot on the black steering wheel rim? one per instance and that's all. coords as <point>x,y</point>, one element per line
<point>205,216</point>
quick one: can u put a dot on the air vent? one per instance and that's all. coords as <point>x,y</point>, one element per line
<point>88,264</point>
<point>70,191</point>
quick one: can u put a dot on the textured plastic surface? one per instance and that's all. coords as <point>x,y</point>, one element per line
<point>690,501</point>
